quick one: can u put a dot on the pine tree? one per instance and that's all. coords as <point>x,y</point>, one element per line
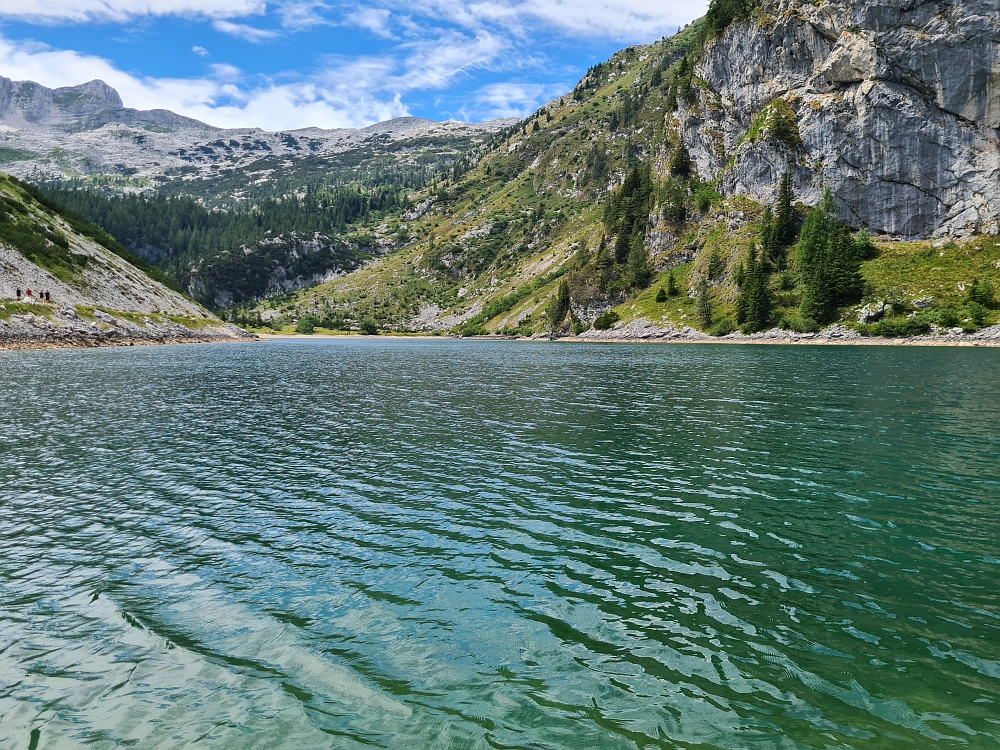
<point>661,296</point>
<point>753,307</point>
<point>768,236</point>
<point>558,307</point>
<point>829,262</point>
<point>638,263</point>
<point>680,162</point>
<point>704,304</point>
<point>784,218</point>
<point>672,289</point>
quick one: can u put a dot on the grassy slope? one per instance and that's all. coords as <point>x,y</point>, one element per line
<point>512,272</point>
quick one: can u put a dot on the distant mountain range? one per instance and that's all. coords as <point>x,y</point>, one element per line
<point>85,133</point>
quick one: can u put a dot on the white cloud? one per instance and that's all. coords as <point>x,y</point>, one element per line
<point>513,99</point>
<point>297,15</point>
<point>335,103</point>
<point>242,31</point>
<point>614,19</point>
<point>374,20</point>
<point>620,20</point>
<point>47,11</point>
<point>200,51</point>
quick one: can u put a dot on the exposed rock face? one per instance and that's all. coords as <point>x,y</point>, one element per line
<point>897,103</point>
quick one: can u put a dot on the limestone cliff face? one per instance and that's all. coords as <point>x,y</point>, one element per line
<point>897,106</point>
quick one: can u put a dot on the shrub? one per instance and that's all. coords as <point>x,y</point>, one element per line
<point>981,292</point>
<point>606,320</point>
<point>723,328</point>
<point>977,312</point>
<point>661,295</point>
<point>799,324</point>
<point>306,325</point>
<point>897,327</point>
<point>368,326</point>
<point>946,317</point>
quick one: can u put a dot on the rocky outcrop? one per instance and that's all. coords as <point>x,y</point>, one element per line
<point>896,106</point>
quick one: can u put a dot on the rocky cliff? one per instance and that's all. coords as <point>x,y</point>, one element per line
<point>896,106</point>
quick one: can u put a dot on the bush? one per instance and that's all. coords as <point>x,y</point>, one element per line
<point>306,325</point>
<point>723,328</point>
<point>897,327</point>
<point>977,312</point>
<point>981,292</point>
<point>368,327</point>
<point>799,324</point>
<point>946,317</point>
<point>606,320</point>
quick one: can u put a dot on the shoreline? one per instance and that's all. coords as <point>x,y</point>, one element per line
<point>817,339</point>
<point>31,332</point>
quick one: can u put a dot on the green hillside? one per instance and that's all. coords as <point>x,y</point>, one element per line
<point>594,191</point>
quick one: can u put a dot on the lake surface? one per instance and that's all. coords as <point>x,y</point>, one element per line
<point>438,544</point>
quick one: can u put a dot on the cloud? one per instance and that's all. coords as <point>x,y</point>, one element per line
<point>200,51</point>
<point>333,100</point>
<point>80,11</point>
<point>242,31</point>
<point>513,99</point>
<point>619,20</point>
<point>297,15</point>
<point>374,20</point>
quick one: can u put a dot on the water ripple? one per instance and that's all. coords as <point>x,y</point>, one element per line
<point>423,544</point>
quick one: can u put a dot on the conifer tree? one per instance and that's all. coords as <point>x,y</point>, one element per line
<point>704,304</point>
<point>829,262</point>
<point>558,307</point>
<point>661,296</point>
<point>672,289</point>
<point>753,307</point>
<point>784,215</point>
<point>638,263</point>
<point>680,162</point>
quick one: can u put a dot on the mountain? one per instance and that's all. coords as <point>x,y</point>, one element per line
<point>84,134</point>
<point>82,138</point>
<point>663,168</point>
<point>86,290</point>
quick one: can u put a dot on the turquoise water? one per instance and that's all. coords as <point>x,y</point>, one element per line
<point>436,544</point>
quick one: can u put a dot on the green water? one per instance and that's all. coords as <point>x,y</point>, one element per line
<point>434,544</point>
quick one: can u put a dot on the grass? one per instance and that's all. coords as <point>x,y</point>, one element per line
<point>24,308</point>
<point>914,270</point>
<point>679,310</point>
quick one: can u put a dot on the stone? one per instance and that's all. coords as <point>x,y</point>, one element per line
<point>872,313</point>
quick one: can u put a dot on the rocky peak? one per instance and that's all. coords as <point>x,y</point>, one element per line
<point>26,103</point>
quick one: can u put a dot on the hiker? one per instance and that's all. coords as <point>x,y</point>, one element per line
<point>19,294</point>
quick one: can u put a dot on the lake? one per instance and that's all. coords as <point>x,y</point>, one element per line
<point>392,543</point>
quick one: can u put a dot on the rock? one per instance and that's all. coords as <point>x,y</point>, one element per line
<point>897,107</point>
<point>872,313</point>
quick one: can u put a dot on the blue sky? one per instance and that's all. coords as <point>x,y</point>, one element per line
<point>327,63</point>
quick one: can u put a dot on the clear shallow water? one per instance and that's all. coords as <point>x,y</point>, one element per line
<point>431,544</point>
